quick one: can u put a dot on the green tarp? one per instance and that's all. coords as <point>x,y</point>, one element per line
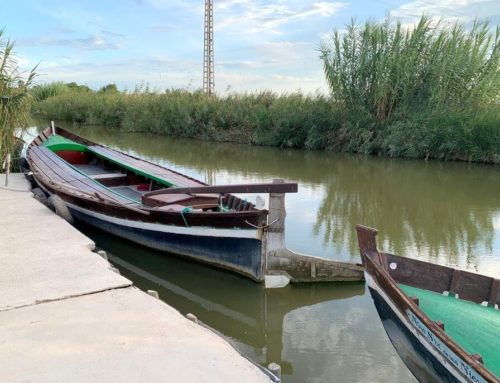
<point>474,327</point>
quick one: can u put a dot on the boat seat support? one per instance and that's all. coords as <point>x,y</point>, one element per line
<point>494,293</point>
<point>455,282</point>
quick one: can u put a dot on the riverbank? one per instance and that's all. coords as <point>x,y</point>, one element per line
<point>65,315</point>
<point>287,121</point>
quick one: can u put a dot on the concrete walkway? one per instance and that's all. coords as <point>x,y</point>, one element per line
<point>65,316</point>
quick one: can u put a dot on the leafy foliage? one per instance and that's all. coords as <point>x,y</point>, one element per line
<point>15,98</point>
<point>387,71</point>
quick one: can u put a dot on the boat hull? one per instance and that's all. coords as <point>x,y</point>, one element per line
<point>422,363</point>
<point>429,352</point>
<point>237,250</point>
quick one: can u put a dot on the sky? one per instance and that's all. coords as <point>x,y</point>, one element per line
<point>259,44</point>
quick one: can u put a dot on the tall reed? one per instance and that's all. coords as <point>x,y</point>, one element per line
<point>14,98</point>
<point>386,70</point>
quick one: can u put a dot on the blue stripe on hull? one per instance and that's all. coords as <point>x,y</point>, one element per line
<point>242,255</point>
<point>422,364</point>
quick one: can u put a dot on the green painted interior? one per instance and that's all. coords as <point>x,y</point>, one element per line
<point>150,176</point>
<point>474,327</point>
<point>57,143</point>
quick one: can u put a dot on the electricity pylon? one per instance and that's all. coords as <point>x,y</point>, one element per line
<point>208,49</point>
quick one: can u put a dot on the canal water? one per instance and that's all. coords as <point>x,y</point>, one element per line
<point>446,213</point>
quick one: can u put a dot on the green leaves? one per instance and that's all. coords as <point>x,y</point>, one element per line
<point>14,97</point>
<point>389,70</point>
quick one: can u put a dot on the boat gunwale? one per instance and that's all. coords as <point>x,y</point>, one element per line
<point>374,262</point>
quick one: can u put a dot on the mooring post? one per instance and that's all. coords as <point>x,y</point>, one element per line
<point>277,215</point>
<point>154,294</point>
<point>7,169</point>
<point>192,318</point>
<point>103,254</point>
<point>275,369</point>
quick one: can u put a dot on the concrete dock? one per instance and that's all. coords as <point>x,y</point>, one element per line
<point>66,316</point>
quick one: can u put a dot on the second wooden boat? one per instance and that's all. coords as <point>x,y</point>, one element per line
<point>443,322</point>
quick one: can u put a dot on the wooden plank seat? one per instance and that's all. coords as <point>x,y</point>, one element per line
<point>111,179</point>
<point>55,168</point>
<point>159,174</point>
<point>108,176</point>
<point>182,199</point>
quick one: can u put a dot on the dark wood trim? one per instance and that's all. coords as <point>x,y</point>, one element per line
<point>289,187</point>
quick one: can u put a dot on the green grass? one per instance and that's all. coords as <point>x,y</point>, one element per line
<point>427,92</point>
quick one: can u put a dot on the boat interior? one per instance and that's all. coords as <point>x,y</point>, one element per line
<point>463,304</point>
<point>118,176</point>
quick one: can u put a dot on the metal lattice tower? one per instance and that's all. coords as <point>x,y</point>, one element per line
<point>208,49</point>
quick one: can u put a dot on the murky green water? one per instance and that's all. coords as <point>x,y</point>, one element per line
<point>447,213</point>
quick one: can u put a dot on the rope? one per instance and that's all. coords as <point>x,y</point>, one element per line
<point>187,209</point>
<point>262,227</point>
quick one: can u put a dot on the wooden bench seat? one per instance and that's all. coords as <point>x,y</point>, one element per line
<point>159,174</point>
<point>182,199</point>
<point>111,179</point>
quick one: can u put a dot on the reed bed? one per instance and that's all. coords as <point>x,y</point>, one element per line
<point>385,70</point>
<point>432,91</point>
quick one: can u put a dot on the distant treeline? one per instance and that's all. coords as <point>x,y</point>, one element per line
<point>427,92</point>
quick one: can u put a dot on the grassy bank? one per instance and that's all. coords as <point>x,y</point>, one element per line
<point>422,93</point>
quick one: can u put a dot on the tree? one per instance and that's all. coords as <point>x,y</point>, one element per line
<point>15,100</point>
<point>110,88</point>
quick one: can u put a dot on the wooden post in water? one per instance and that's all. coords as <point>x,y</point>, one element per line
<point>275,369</point>
<point>277,215</point>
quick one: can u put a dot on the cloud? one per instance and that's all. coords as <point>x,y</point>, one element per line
<point>159,72</point>
<point>93,42</point>
<point>464,11</point>
<point>171,4</point>
<point>165,28</point>
<point>112,33</point>
<point>257,16</point>
<point>167,72</point>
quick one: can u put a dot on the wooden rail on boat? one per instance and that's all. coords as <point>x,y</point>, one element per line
<point>284,187</point>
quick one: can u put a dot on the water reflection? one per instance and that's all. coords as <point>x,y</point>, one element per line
<point>434,211</point>
<point>317,333</point>
<point>443,212</point>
